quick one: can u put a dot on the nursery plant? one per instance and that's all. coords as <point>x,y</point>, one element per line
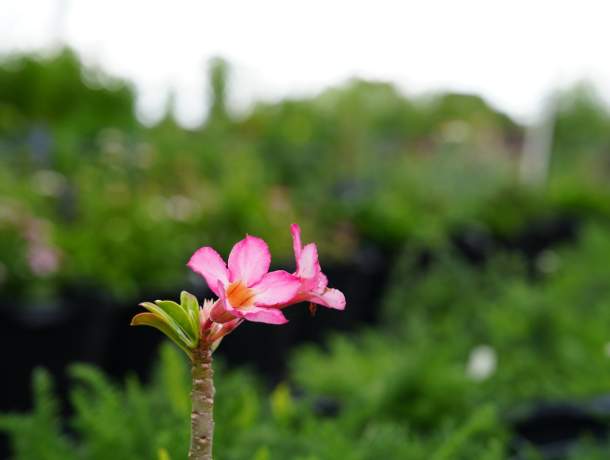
<point>246,291</point>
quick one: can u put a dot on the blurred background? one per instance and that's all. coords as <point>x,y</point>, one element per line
<point>450,159</point>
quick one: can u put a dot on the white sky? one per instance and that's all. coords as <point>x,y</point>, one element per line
<point>511,52</point>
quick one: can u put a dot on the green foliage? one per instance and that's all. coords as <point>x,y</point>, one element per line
<point>132,421</point>
<point>43,425</point>
<point>405,390</point>
<point>548,335</point>
<point>180,323</point>
<point>583,120</point>
<point>59,91</point>
<point>124,205</point>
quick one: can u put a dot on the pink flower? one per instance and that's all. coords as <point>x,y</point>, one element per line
<point>313,283</point>
<point>246,289</point>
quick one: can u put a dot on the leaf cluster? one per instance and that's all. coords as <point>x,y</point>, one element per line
<point>179,322</point>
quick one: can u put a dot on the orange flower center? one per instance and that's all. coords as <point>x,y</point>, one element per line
<point>240,295</point>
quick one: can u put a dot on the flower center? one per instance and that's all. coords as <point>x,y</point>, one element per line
<point>240,295</point>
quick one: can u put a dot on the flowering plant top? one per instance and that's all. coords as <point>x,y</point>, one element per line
<point>246,291</point>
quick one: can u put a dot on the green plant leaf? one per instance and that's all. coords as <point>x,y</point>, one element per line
<point>190,304</point>
<point>182,327</point>
<point>152,320</point>
<point>179,315</point>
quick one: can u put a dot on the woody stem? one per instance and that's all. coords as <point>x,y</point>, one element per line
<point>202,398</point>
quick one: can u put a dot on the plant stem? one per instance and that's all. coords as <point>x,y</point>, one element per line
<point>202,398</point>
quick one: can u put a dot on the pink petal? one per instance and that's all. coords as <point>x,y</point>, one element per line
<point>276,288</point>
<point>225,312</point>
<point>316,284</point>
<point>312,278</point>
<point>331,298</point>
<point>262,315</point>
<point>296,240</point>
<point>222,311</point>
<point>308,265</point>
<point>249,260</point>
<point>321,283</point>
<point>334,298</point>
<point>208,263</point>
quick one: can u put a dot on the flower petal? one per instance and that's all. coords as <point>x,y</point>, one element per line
<point>334,298</point>
<point>208,263</point>
<point>277,287</point>
<point>308,265</point>
<point>249,260</point>
<point>331,298</point>
<point>262,315</point>
<point>296,241</point>
<point>222,311</point>
<point>309,271</point>
<point>225,312</point>
<point>321,283</point>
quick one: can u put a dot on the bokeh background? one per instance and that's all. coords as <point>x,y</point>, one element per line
<point>452,162</point>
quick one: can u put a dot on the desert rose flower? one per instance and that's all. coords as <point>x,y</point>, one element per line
<point>313,284</point>
<point>246,289</point>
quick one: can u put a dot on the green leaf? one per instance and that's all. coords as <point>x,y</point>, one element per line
<point>190,304</point>
<point>152,320</point>
<point>180,316</point>
<point>178,326</point>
